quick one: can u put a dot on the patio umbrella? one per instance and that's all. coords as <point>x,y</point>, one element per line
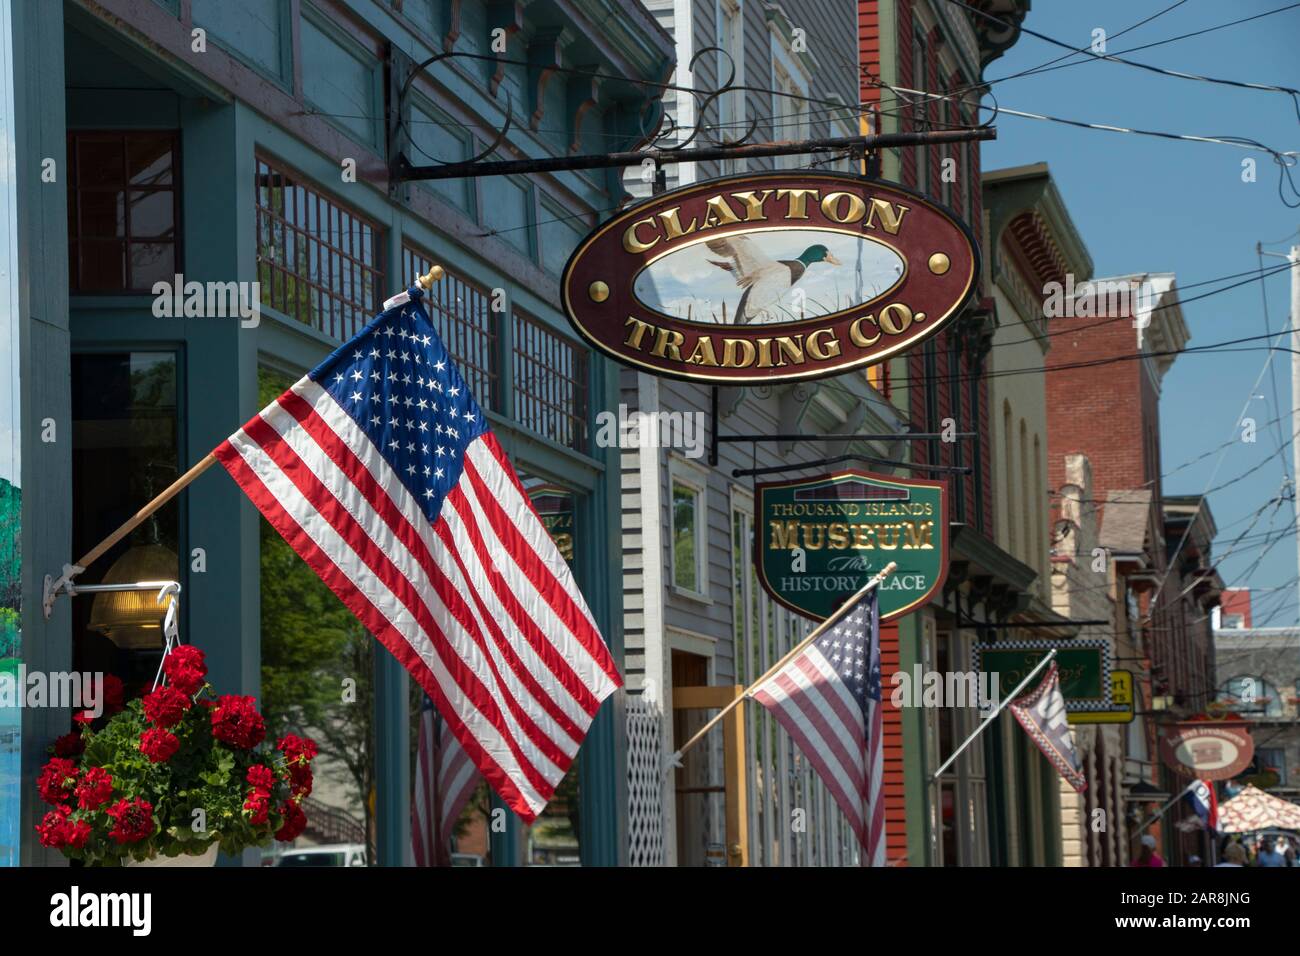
<point>1253,809</point>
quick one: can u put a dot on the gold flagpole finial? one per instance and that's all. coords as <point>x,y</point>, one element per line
<point>429,278</point>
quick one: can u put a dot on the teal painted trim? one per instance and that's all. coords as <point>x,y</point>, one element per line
<point>603,779</point>
<point>36,128</point>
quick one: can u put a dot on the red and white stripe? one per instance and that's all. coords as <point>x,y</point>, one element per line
<point>479,606</point>
<point>445,779</point>
<point>822,717</point>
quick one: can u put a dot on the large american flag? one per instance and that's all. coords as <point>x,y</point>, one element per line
<point>445,779</point>
<point>379,469</point>
<point>827,697</point>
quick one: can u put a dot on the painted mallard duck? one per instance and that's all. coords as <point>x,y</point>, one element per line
<point>765,280</point>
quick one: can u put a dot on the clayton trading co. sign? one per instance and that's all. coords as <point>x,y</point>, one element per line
<point>819,540</point>
<point>769,277</point>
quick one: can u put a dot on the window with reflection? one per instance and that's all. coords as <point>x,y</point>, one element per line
<point>123,210</point>
<point>124,452</point>
<point>318,681</point>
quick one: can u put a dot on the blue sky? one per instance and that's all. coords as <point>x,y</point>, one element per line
<point>1145,204</point>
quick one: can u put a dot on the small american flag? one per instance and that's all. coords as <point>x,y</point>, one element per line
<point>827,697</point>
<point>445,779</point>
<point>379,469</point>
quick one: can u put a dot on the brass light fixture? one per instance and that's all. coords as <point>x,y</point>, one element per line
<point>133,620</point>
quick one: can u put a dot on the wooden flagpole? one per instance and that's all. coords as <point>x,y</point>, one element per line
<point>53,588</point>
<point>674,759</point>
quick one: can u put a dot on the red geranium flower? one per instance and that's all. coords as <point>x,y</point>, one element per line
<point>258,806</point>
<point>113,694</point>
<point>236,721</point>
<point>261,777</point>
<point>297,749</point>
<point>166,706</point>
<point>158,745</point>
<point>56,830</point>
<point>300,780</point>
<point>95,788</point>
<point>185,669</point>
<point>69,745</point>
<point>132,819</point>
<point>57,781</point>
<point>295,821</point>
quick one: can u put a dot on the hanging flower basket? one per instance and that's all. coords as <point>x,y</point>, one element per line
<point>174,777</point>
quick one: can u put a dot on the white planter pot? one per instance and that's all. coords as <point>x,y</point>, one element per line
<point>207,858</point>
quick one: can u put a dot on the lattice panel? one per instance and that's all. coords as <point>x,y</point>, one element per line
<point>645,825</point>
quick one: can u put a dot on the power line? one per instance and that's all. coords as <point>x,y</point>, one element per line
<point>1178,74</point>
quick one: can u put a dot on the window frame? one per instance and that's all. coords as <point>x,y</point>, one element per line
<point>694,478</point>
<point>77,243</point>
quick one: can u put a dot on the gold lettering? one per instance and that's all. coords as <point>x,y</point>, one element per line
<point>632,243</point>
<point>638,332</point>
<point>668,341</point>
<point>831,207</point>
<point>820,352</point>
<point>675,230</point>
<point>856,336</point>
<point>895,318</point>
<point>798,205</point>
<point>703,353</point>
<point>729,349</point>
<point>791,348</point>
<point>862,534</point>
<point>753,204</point>
<point>811,542</point>
<point>890,219</point>
<point>764,353</point>
<point>919,535</point>
<point>883,538</point>
<point>785,535</point>
<point>839,535</point>
<point>719,213</point>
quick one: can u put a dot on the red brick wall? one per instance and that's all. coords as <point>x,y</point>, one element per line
<point>1108,412</point>
<point>1237,601</point>
<point>894,781</point>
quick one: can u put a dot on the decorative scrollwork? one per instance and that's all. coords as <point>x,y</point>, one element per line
<point>668,136</point>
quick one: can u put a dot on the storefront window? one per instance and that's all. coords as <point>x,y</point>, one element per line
<point>554,839</point>
<point>318,681</point>
<point>124,452</point>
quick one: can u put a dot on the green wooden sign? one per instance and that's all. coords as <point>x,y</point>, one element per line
<point>821,539</point>
<point>1084,667</point>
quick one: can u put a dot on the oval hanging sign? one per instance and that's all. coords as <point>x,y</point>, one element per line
<point>769,277</point>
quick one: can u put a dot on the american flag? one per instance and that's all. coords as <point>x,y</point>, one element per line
<point>827,697</point>
<point>379,469</point>
<point>445,779</point>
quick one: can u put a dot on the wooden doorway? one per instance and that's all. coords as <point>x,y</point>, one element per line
<point>709,788</point>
